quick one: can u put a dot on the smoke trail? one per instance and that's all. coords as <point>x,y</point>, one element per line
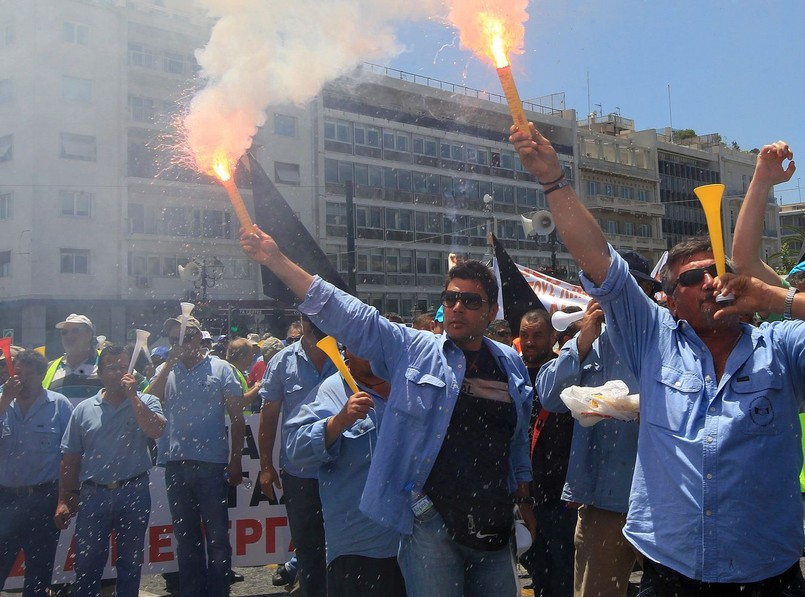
<point>270,52</point>
<point>467,16</point>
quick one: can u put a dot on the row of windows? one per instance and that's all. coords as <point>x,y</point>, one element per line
<point>71,146</point>
<point>383,177</point>
<point>166,61</point>
<point>149,109</point>
<point>612,190</point>
<point>626,228</point>
<point>180,221</point>
<point>685,213</point>
<point>71,203</point>
<point>690,171</point>
<point>167,266</point>
<point>346,132</point>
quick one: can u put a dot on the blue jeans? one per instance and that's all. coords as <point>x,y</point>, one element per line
<point>124,510</point>
<point>306,521</point>
<point>434,565</point>
<point>197,493</point>
<point>26,522</point>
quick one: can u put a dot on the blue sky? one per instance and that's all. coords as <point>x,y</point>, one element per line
<point>735,68</point>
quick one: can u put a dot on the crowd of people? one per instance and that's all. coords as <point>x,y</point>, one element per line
<point>408,473</point>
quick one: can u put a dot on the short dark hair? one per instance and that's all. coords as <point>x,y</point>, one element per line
<point>475,270</point>
<point>393,317</point>
<point>33,359</point>
<point>536,315</point>
<point>678,253</point>
<point>112,350</point>
<point>499,326</point>
<point>423,321</point>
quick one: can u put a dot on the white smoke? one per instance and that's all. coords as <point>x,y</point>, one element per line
<point>271,52</point>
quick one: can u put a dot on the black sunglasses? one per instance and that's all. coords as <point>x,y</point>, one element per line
<point>471,300</point>
<point>694,276</point>
<point>188,336</point>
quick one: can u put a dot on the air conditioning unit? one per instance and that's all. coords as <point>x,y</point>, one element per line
<point>142,282</point>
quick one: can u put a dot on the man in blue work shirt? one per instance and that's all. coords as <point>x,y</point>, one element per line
<point>32,422</point>
<point>290,377</point>
<point>197,392</point>
<point>337,432</point>
<point>105,463</point>
<point>455,430</point>
<point>715,503</point>
<point>75,374</point>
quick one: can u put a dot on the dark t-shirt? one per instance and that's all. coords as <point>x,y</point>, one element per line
<point>552,452</point>
<point>473,462</point>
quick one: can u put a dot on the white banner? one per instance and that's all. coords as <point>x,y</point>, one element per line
<point>554,294</point>
<point>258,529</point>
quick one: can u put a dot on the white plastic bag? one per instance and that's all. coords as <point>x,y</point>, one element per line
<point>611,400</point>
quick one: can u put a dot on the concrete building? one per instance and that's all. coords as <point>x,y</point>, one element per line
<point>97,212</point>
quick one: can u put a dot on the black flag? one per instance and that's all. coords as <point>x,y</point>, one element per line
<point>518,297</point>
<point>275,217</point>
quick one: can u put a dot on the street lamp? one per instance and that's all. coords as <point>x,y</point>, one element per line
<point>204,272</point>
<point>489,212</point>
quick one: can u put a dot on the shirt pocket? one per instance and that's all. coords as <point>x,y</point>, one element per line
<point>359,428</point>
<point>43,440</point>
<point>755,396</point>
<point>419,395</point>
<point>680,391</point>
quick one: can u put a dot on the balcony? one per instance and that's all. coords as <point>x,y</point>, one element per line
<point>619,204</point>
<point>637,243</point>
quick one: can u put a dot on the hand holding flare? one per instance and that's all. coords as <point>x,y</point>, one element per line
<point>5,346</point>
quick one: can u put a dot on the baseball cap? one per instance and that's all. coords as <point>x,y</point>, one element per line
<point>75,318</point>
<point>160,351</point>
<point>640,268</point>
<point>14,351</point>
<point>192,322</point>
<point>439,315</point>
<point>205,335</point>
<point>254,339</point>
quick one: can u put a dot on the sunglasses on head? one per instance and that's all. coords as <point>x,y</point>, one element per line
<point>471,300</point>
<point>695,276</point>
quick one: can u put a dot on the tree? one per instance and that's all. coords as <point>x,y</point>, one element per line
<point>685,134</point>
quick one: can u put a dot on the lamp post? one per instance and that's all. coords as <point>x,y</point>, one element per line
<point>204,272</point>
<point>489,212</point>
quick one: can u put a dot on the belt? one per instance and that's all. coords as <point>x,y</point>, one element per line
<point>116,484</point>
<point>30,489</point>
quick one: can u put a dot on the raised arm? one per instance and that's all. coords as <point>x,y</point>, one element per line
<point>260,247</point>
<point>575,225</point>
<point>769,171</point>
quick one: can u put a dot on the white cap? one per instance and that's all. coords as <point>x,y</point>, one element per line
<point>75,318</point>
<point>205,335</point>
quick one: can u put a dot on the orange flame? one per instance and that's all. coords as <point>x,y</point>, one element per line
<point>495,34</point>
<point>221,166</point>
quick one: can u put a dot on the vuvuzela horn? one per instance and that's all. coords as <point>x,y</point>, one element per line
<point>710,197</point>
<point>330,348</point>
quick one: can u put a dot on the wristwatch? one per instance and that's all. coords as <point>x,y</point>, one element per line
<point>525,500</point>
<point>789,302</point>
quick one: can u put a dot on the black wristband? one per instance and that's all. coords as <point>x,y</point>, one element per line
<point>562,184</point>
<point>524,500</point>
<point>547,184</point>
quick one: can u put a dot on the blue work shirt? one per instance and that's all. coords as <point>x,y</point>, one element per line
<point>195,409</point>
<point>342,470</point>
<point>289,378</point>
<point>426,372</point>
<point>602,457</point>
<point>109,440</point>
<point>716,492</point>
<point>29,445</point>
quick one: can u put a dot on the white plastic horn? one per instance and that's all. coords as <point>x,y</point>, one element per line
<point>187,309</point>
<point>538,223</point>
<point>561,320</point>
<point>141,343</point>
<point>100,341</point>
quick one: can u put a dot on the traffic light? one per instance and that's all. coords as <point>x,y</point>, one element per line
<point>234,321</point>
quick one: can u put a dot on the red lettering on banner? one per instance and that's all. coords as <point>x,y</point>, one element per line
<point>17,569</point>
<point>271,531</point>
<point>247,532</point>
<point>69,563</point>
<point>159,538</point>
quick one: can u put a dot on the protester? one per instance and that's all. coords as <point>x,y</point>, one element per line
<point>75,374</point>
<point>105,464</point>
<point>500,331</point>
<point>719,433</point>
<point>32,421</point>
<point>195,392</point>
<point>336,432</point>
<point>240,355</point>
<point>550,558</point>
<point>461,464</point>
<point>290,377</point>
<point>424,321</point>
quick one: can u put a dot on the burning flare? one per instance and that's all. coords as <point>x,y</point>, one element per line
<point>221,167</point>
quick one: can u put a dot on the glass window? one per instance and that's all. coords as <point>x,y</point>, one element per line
<point>5,206</point>
<point>173,63</point>
<point>375,177</point>
<point>6,148</point>
<point>142,109</point>
<point>175,221</point>
<point>6,90</point>
<point>592,188</point>
<point>361,174</point>
<point>5,264</point>
<point>402,142</point>
<point>76,34</point>
<point>76,89</point>
<point>344,171</point>
<point>336,214</point>
<point>74,261</point>
<point>78,147</point>
<point>287,173</point>
<point>75,203</point>
<point>330,170</point>
<point>284,125</point>
<point>404,180</point>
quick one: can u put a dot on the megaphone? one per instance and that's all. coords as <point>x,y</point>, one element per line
<point>538,222</point>
<point>189,272</point>
<point>561,320</point>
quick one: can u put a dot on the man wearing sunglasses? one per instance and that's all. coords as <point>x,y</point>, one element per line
<point>75,374</point>
<point>196,391</point>
<point>714,505</point>
<point>454,445</point>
